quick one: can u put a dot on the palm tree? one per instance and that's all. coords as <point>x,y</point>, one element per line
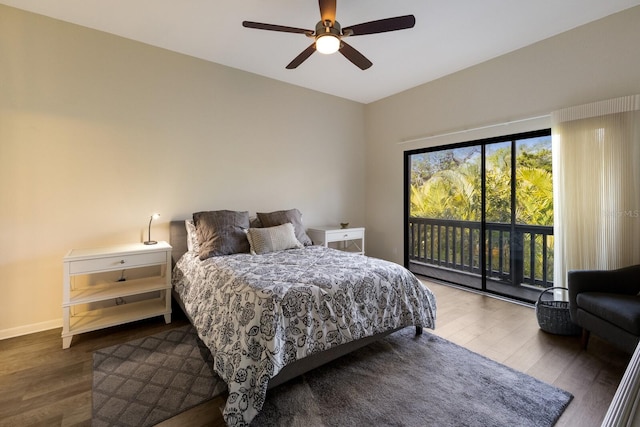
<point>448,194</point>
<point>534,196</point>
<point>450,188</point>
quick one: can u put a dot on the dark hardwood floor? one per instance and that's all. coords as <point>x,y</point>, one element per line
<point>43,385</point>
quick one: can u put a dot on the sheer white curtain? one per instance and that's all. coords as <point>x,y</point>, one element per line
<point>596,179</point>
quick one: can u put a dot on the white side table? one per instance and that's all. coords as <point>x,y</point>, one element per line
<point>80,293</point>
<point>349,239</point>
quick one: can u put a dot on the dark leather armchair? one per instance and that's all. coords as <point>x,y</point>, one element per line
<point>606,303</point>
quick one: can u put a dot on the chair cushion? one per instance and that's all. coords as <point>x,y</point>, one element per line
<point>621,310</point>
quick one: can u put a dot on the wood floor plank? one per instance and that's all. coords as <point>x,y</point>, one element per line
<point>43,385</point>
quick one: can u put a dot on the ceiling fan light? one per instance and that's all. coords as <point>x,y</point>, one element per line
<point>327,44</point>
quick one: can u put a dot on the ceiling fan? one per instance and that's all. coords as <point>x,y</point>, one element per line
<point>329,36</point>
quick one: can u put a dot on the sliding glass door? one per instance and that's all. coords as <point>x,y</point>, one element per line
<point>480,214</point>
<point>445,214</point>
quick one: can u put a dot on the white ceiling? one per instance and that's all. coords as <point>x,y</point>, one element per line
<point>449,35</point>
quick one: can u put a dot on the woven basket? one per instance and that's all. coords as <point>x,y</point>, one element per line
<point>554,317</point>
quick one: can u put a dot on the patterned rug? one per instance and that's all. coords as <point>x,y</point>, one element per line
<point>151,379</point>
<point>401,380</point>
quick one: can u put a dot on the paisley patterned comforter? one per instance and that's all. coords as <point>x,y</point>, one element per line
<point>257,313</point>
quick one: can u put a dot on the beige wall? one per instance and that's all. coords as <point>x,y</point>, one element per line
<point>598,61</point>
<point>97,132</point>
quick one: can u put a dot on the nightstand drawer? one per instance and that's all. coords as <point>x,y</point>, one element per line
<point>116,262</point>
<point>336,236</point>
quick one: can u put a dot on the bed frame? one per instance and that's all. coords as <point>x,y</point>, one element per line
<point>178,240</point>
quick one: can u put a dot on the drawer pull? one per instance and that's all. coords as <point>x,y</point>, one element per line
<point>121,261</point>
<point>346,235</point>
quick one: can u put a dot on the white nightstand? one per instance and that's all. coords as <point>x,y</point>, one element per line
<point>89,295</point>
<point>347,239</point>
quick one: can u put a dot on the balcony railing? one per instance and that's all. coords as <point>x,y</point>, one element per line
<point>515,254</point>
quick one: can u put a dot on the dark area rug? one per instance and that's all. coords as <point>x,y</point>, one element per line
<point>405,380</point>
<point>401,380</point>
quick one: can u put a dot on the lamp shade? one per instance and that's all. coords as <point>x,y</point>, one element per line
<point>327,44</point>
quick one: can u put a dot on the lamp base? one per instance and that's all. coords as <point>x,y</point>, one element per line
<point>150,242</point>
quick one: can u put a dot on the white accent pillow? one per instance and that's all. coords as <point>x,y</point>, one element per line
<point>192,236</point>
<point>271,239</point>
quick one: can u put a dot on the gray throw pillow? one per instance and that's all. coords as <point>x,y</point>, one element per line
<point>293,216</point>
<point>221,232</point>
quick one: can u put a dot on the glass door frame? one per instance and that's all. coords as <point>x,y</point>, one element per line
<point>515,271</point>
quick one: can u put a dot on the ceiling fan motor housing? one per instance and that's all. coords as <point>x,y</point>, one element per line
<point>328,27</point>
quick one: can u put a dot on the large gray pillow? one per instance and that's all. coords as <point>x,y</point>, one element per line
<point>293,216</point>
<point>221,232</point>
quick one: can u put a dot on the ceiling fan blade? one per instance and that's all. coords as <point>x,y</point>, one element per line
<point>302,57</point>
<point>328,10</point>
<point>354,56</point>
<point>381,26</point>
<point>272,27</point>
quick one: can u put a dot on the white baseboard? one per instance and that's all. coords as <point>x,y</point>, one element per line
<point>30,329</point>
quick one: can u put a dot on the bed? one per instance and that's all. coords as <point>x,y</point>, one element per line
<point>271,316</point>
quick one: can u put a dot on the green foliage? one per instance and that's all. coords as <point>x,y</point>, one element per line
<point>425,166</point>
<point>448,194</point>
<point>498,185</point>
<point>446,184</point>
<point>534,196</point>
